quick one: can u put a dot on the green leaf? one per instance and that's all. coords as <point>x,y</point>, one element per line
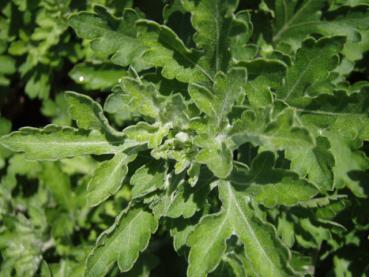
<point>332,209</point>
<point>165,49</point>
<point>107,179</point>
<point>38,85</point>
<point>316,163</point>
<point>121,243</point>
<point>230,266</point>
<point>5,128</point>
<point>349,161</point>
<point>262,246</point>
<point>54,143</point>
<point>21,247</point>
<point>208,244</point>
<point>57,109</point>
<point>345,124</point>
<point>340,113</point>
<point>7,65</point>
<point>259,93</point>
<point>263,249</point>
<point>218,159</point>
<point>117,105</point>
<point>143,98</point>
<point>147,179</point>
<point>186,201</point>
<point>260,129</point>
<point>215,25</point>
<point>176,200</point>
<point>180,229</point>
<point>176,112</point>
<point>271,186</point>
<point>269,69</point>
<point>295,21</point>
<point>58,183</point>
<point>110,35</point>
<point>87,113</point>
<point>291,15</point>
<point>178,149</point>
<point>7,68</point>
<point>240,50</point>
<point>309,75</point>
<point>96,76</point>
<point>227,90</point>
<point>144,133</point>
<point>244,116</point>
<point>348,23</point>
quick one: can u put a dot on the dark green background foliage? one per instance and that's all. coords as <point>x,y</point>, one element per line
<point>184,138</point>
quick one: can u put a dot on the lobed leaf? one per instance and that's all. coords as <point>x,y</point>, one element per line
<point>54,143</point>
<point>111,36</point>
<point>121,243</point>
<point>208,244</point>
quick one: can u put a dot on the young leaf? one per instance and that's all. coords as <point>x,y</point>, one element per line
<point>143,98</point>
<point>218,159</point>
<point>147,178</point>
<point>227,90</point>
<point>87,113</point>
<point>145,133</point>
<point>107,179</point>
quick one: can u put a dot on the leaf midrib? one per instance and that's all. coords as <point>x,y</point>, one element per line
<point>217,31</point>
<point>285,26</point>
<point>74,143</point>
<point>248,226</point>
<point>298,80</point>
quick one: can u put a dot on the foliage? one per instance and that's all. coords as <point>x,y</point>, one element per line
<point>238,130</point>
<point>36,44</point>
